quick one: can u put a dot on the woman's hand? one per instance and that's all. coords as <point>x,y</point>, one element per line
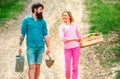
<point>79,40</point>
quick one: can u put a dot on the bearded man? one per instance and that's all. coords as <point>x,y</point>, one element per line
<point>34,27</point>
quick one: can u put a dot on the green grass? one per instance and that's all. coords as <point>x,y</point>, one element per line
<point>9,9</point>
<point>118,74</point>
<point>104,16</point>
<point>109,54</point>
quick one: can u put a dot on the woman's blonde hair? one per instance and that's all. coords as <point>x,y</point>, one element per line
<point>70,15</point>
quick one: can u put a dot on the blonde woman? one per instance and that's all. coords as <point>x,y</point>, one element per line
<point>70,37</point>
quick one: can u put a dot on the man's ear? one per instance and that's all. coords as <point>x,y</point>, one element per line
<point>35,10</point>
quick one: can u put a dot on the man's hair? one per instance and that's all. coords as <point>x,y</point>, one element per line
<point>35,6</point>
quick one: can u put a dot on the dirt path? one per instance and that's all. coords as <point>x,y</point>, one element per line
<point>10,37</point>
<point>52,13</point>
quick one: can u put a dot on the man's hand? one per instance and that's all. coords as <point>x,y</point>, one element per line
<point>48,51</point>
<point>20,50</point>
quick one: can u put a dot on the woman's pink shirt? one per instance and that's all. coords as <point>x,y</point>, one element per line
<point>68,32</point>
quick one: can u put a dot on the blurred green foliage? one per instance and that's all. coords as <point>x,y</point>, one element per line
<point>9,9</point>
<point>104,15</point>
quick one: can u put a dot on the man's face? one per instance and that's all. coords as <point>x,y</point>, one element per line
<point>39,13</point>
<point>40,10</point>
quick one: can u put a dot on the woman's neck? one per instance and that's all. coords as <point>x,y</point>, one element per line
<point>67,23</point>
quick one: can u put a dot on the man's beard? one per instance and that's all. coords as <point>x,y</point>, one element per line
<point>39,15</point>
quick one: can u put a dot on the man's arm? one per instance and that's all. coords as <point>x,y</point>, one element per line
<point>47,43</point>
<point>20,42</point>
<point>21,39</point>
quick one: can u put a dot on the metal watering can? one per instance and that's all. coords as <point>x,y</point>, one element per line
<point>19,65</point>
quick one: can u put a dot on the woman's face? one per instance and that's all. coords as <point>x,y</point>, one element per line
<point>65,17</point>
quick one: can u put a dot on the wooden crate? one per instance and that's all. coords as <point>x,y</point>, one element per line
<point>91,39</point>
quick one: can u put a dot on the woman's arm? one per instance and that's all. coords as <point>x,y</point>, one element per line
<point>72,39</point>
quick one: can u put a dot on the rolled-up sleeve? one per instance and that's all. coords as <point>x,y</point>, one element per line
<point>23,27</point>
<point>61,34</point>
<point>45,30</point>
